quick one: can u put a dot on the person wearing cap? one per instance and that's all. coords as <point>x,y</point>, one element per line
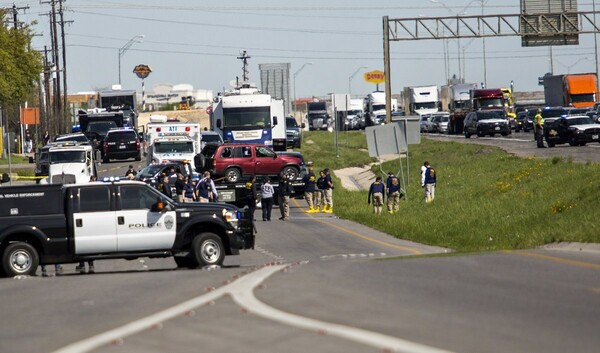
<point>266,193</point>
<point>285,190</point>
<point>428,182</point>
<point>130,173</point>
<point>394,196</point>
<point>319,195</point>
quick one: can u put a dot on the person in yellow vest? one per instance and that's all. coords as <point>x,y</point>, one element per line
<point>538,122</point>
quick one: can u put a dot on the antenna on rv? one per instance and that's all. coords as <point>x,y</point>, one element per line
<point>244,57</point>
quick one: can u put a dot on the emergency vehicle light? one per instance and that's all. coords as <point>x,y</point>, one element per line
<point>111,179</point>
<point>158,129</point>
<point>187,128</point>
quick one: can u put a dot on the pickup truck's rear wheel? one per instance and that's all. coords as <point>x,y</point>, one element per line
<point>207,249</point>
<point>20,259</point>
<point>233,175</point>
<point>290,172</point>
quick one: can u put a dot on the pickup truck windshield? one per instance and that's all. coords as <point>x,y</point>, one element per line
<point>247,118</point>
<point>174,147</point>
<point>580,121</point>
<point>67,157</point>
<point>491,103</point>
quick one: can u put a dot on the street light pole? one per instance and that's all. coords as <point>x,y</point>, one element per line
<point>137,39</point>
<point>296,74</point>
<point>352,76</point>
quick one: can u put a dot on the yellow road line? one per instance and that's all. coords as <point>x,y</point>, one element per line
<point>556,259</point>
<point>364,237</point>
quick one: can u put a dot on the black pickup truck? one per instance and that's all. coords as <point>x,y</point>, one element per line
<point>48,224</point>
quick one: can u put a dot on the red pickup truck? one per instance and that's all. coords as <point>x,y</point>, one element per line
<point>235,161</point>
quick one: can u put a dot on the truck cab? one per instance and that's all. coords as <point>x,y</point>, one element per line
<point>69,163</point>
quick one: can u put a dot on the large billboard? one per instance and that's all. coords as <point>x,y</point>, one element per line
<point>549,22</point>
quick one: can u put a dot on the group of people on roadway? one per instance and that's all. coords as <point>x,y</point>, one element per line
<point>318,192</point>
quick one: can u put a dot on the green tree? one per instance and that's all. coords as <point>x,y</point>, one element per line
<point>20,66</point>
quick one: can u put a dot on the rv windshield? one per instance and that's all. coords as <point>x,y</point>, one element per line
<point>174,147</point>
<point>56,157</point>
<point>247,118</point>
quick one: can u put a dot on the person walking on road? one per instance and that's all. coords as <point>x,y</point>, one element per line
<point>284,190</point>
<point>377,191</point>
<point>266,199</point>
<point>309,189</point>
<point>81,267</point>
<point>538,122</point>
<point>428,182</point>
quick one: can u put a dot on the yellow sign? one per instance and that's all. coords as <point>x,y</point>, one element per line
<point>375,77</point>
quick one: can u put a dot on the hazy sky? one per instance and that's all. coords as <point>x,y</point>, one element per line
<point>197,42</point>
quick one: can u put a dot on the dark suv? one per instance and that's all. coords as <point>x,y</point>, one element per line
<point>293,133</point>
<point>121,144</point>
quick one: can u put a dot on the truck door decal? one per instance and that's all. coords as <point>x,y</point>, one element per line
<point>144,227</point>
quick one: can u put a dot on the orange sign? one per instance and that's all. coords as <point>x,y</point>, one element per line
<point>375,76</point>
<point>142,71</point>
<point>30,116</point>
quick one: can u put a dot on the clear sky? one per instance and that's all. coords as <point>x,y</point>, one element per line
<point>197,42</point>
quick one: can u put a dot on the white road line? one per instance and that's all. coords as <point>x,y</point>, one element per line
<point>242,292</point>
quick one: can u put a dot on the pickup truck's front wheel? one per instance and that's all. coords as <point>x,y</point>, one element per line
<point>208,249</point>
<point>20,259</point>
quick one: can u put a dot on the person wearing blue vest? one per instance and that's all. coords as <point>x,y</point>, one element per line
<point>428,182</point>
<point>309,188</point>
<point>394,195</point>
<point>377,190</point>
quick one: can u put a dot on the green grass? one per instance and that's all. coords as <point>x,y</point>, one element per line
<point>14,159</point>
<point>485,200</point>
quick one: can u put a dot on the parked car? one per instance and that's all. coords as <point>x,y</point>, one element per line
<point>121,144</point>
<point>486,122</point>
<point>425,122</point>
<point>439,122</point>
<point>236,161</point>
<point>293,132</point>
<point>574,130</point>
<point>525,120</point>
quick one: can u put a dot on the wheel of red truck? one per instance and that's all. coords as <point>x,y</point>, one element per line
<point>20,259</point>
<point>290,172</point>
<point>233,175</point>
<point>207,249</point>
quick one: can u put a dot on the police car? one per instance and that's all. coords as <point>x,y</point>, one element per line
<point>49,224</point>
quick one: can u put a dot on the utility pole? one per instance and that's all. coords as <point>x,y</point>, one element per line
<point>64,62</point>
<point>15,12</point>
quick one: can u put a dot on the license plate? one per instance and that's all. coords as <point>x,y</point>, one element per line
<point>594,137</point>
<point>122,147</point>
<point>497,128</point>
<point>227,195</point>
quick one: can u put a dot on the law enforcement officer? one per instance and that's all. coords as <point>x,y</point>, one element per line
<point>538,122</point>
<point>328,192</point>
<point>309,188</point>
<point>377,191</point>
<point>428,182</point>
<point>285,190</point>
<point>394,195</point>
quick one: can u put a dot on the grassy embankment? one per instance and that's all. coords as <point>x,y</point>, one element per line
<point>486,199</point>
<point>17,159</point>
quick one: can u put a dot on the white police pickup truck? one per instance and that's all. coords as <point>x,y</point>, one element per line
<point>48,224</point>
